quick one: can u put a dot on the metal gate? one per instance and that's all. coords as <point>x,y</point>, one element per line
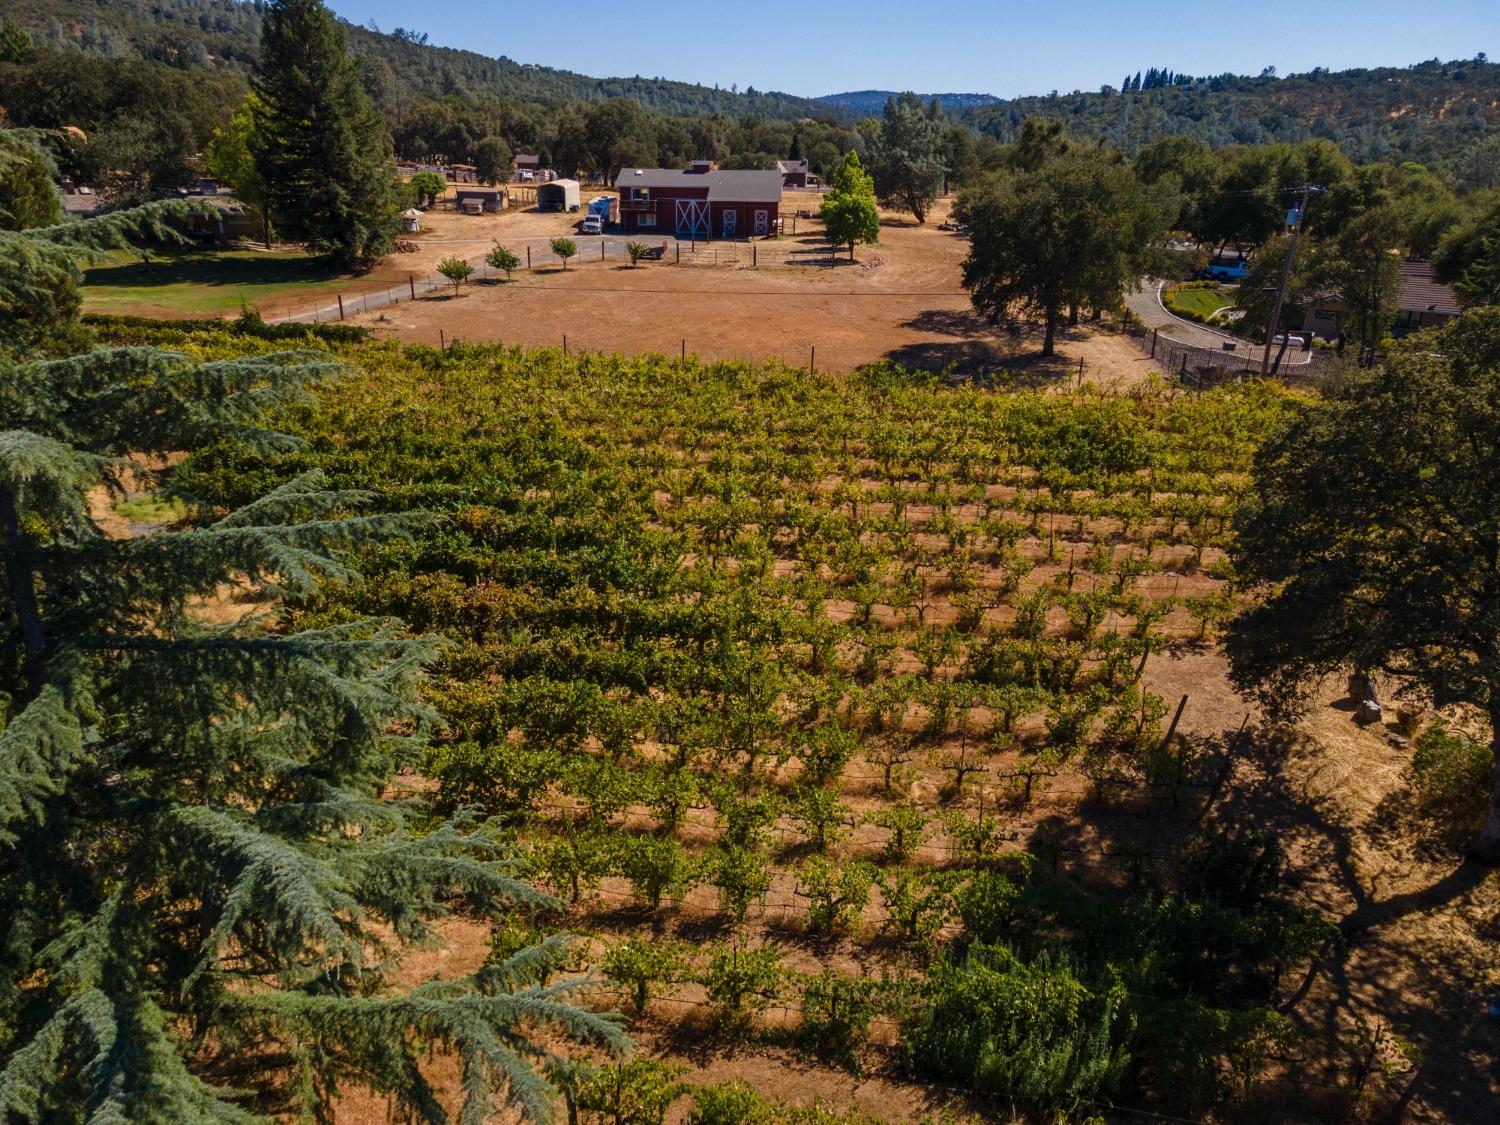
<point>692,217</point>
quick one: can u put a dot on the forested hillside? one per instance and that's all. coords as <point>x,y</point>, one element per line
<point>869,103</point>
<point>1425,113</point>
<point>225,34</point>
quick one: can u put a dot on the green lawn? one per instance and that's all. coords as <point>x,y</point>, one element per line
<point>1200,303</point>
<point>188,282</point>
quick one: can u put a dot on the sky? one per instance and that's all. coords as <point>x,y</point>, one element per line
<point>959,46</point>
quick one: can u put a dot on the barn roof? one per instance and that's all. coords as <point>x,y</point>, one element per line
<point>785,166</point>
<point>723,186</point>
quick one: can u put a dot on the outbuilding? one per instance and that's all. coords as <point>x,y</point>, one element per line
<point>411,220</point>
<point>793,173</point>
<point>475,200</point>
<point>700,202</point>
<point>559,195</point>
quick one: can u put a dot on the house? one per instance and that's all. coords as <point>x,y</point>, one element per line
<point>793,173</point>
<point>558,195</point>
<point>1425,303</point>
<point>527,162</point>
<point>700,201</point>
<point>475,200</point>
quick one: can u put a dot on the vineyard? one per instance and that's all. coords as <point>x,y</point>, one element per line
<point>822,704</point>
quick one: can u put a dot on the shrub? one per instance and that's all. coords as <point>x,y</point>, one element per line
<point>729,1103</point>
<point>1451,774</point>
<point>1028,1031</point>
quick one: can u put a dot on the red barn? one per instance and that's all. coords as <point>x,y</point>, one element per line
<point>699,202</point>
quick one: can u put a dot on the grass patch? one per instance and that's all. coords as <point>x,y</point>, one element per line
<point>204,282</point>
<point>151,509</point>
<point>1199,304</point>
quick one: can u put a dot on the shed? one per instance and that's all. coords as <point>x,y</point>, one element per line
<point>527,162</point>
<point>474,200</point>
<point>559,195</point>
<point>411,220</point>
<point>793,173</point>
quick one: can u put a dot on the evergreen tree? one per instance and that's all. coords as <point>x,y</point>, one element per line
<point>201,875</point>
<point>320,144</point>
<point>27,197</point>
<point>907,156</point>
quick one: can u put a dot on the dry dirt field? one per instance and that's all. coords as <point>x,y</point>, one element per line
<point>899,300</point>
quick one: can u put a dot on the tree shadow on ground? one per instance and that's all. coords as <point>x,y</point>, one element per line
<point>1400,958</point>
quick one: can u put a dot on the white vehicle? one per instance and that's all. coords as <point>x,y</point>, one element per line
<point>594,224</point>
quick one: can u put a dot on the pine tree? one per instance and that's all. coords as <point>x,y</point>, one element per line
<point>320,144</point>
<point>202,878</point>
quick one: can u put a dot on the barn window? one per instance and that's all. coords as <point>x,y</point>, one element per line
<point>646,220</point>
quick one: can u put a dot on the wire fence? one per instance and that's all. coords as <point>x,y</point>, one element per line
<point>538,256</point>
<point>1204,367</point>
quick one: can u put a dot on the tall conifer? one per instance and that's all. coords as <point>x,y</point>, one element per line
<point>320,144</point>
<point>203,874</point>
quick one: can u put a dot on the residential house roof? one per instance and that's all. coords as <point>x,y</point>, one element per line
<point>526,158</point>
<point>723,186</point>
<point>786,166</point>
<point>1419,292</point>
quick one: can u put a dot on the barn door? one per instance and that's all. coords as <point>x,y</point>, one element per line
<point>762,222</point>
<point>692,217</point>
<point>731,220</point>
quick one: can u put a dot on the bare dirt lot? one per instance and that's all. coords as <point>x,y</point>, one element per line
<point>900,300</point>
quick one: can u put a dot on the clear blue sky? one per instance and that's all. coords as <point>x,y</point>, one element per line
<point>1004,48</point>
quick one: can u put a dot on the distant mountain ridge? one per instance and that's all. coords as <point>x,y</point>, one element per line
<point>871,102</point>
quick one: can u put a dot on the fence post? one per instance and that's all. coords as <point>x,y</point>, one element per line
<point>601,249</point>
<point>754,259</point>
<point>442,341</point>
<point>412,281</point>
<point>340,297</point>
<point>812,360</point>
<point>565,343</point>
<point>679,254</point>
<point>528,257</point>
<point>684,349</point>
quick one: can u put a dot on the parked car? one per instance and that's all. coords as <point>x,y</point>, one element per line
<point>1224,270</point>
<point>594,224</point>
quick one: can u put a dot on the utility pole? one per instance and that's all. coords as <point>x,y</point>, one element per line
<point>1286,274</point>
